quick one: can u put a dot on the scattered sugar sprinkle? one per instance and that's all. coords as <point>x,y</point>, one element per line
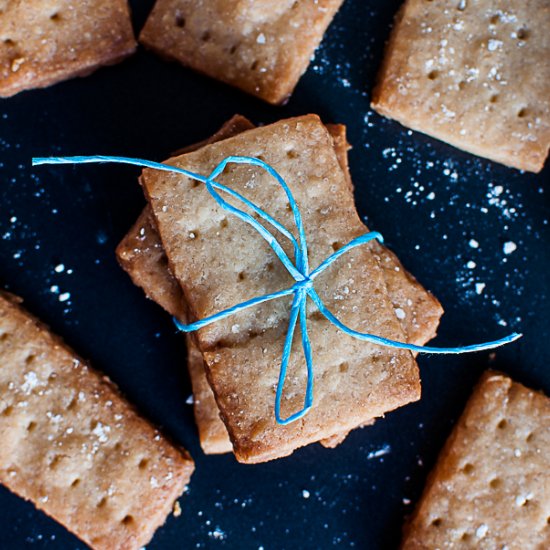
<point>399,313</point>
<point>480,287</point>
<point>306,493</point>
<point>101,431</point>
<point>190,400</point>
<point>60,268</point>
<point>482,531</point>
<point>217,534</point>
<point>384,450</point>
<point>473,243</point>
<point>494,45</point>
<point>31,381</point>
<point>509,247</point>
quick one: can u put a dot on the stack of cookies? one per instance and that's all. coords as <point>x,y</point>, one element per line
<point>195,260</point>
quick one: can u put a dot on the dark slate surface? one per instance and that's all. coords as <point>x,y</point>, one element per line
<point>429,200</point>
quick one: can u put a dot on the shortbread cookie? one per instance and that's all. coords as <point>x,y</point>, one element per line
<point>491,486</point>
<point>139,255</point>
<point>44,42</point>
<point>259,46</point>
<point>220,261</point>
<point>474,74</point>
<point>74,447</point>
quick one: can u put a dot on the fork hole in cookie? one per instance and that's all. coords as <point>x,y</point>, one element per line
<point>206,36</point>
<point>523,112</point>
<point>30,358</point>
<point>55,17</point>
<point>468,468</point>
<point>180,20</point>
<point>233,49</point>
<point>72,405</point>
<point>336,246</point>
<point>4,336</point>
<point>31,426</point>
<point>241,276</point>
<point>436,522</point>
<point>494,19</point>
<point>75,483</point>
<point>291,154</point>
<point>54,462</point>
<point>224,223</point>
<point>493,98</point>
<point>529,437</point>
<point>143,463</point>
<point>127,520</point>
<point>343,367</point>
<point>495,483</point>
<point>465,537</point>
<point>432,75</point>
<point>522,34</point>
<point>7,411</point>
<point>102,503</point>
<point>502,424</point>
<point>9,42</point>
<point>254,65</point>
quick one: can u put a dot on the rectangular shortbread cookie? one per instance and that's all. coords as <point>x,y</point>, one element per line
<point>74,447</point>
<point>260,46</point>
<point>490,488</point>
<point>44,42</point>
<point>356,381</point>
<point>474,74</point>
<point>140,253</point>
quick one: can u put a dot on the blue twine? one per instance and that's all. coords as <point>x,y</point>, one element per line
<point>299,270</point>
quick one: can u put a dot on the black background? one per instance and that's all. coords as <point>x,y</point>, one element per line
<point>428,199</point>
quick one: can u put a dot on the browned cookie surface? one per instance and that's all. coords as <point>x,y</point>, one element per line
<point>44,41</point>
<point>260,46</point>
<point>74,447</point>
<point>473,73</point>
<point>490,488</point>
<point>356,381</point>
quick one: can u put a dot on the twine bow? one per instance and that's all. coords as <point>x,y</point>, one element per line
<point>303,286</point>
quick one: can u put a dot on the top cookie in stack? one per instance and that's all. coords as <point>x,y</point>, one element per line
<point>142,255</point>
<point>219,261</point>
